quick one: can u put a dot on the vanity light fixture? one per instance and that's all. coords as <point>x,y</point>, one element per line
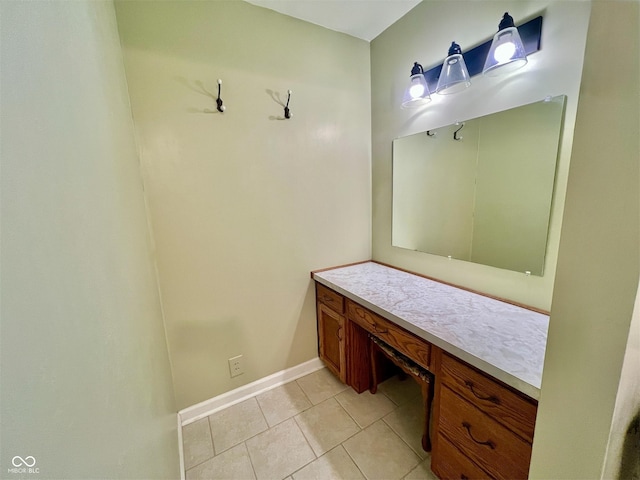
<point>478,59</point>
<point>221,108</point>
<point>454,76</point>
<point>507,51</point>
<point>417,92</point>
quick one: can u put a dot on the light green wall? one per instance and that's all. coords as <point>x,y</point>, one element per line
<point>244,204</point>
<point>599,256</point>
<point>424,35</point>
<point>595,264</point>
<point>86,382</point>
<point>428,173</point>
<point>622,459</point>
<point>514,191</point>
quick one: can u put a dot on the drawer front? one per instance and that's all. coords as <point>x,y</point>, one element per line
<point>487,443</point>
<point>331,299</point>
<point>450,463</point>
<point>505,406</point>
<point>413,347</point>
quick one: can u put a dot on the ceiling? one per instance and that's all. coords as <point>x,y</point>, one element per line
<point>364,19</point>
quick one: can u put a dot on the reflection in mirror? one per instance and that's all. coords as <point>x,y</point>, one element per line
<point>480,190</point>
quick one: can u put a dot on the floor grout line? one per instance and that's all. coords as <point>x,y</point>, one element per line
<point>396,406</point>
<point>255,474</point>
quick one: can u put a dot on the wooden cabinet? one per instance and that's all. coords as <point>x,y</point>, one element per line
<point>480,427</point>
<point>484,429</point>
<point>331,341</point>
<point>331,331</point>
<point>342,345</point>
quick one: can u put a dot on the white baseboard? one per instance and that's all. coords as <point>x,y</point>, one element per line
<point>180,449</point>
<point>215,404</point>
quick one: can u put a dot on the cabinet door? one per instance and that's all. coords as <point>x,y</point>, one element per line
<point>331,338</point>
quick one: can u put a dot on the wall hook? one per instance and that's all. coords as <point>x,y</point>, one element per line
<point>287,112</point>
<point>221,107</point>
<point>455,134</point>
<point>431,133</point>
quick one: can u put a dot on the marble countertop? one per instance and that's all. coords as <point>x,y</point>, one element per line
<point>503,340</point>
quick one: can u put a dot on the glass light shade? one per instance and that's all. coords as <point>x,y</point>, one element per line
<point>454,76</point>
<point>417,92</point>
<point>506,54</point>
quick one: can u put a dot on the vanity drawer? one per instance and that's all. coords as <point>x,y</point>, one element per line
<point>487,443</point>
<point>452,464</point>
<point>505,406</point>
<point>413,347</point>
<point>331,299</point>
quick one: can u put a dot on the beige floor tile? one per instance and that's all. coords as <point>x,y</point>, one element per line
<point>401,391</point>
<point>279,451</point>
<point>236,424</point>
<point>320,385</point>
<point>365,408</point>
<point>283,402</point>
<point>336,464</point>
<point>407,422</point>
<point>380,453</point>
<point>422,471</point>
<point>326,425</point>
<point>196,442</point>
<point>234,464</point>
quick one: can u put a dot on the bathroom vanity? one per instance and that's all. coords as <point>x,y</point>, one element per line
<point>486,356</point>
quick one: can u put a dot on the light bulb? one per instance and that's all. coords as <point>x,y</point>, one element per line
<point>507,52</point>
<point>416,90</point>
<point>504,52</point>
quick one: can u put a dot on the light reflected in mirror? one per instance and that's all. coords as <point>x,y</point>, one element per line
<point>483,195</point>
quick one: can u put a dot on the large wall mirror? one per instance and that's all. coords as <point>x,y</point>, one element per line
<point>480,190</point>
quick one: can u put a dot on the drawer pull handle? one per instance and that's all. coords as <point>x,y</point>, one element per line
<point>488,443</point>
<point>375,327</point>
<point>338,332</point>
<point>463,477</point>
<point>491,398</point>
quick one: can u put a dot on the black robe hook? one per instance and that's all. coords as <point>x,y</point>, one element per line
<point>287,112</point>
<point>221,108</point>
<point>455,134</point>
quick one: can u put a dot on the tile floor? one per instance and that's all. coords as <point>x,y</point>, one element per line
<point>313,428</point>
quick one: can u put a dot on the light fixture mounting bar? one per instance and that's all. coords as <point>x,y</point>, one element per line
<point>530,32</point>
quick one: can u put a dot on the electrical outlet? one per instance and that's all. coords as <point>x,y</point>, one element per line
<point>236,366</point>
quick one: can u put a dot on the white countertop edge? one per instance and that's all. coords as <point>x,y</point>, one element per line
<point>511,380</point>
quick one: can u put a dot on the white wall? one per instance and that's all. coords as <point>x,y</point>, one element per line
<point>424,35</point>
<point>245,204</point>
<point>86,383</point>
